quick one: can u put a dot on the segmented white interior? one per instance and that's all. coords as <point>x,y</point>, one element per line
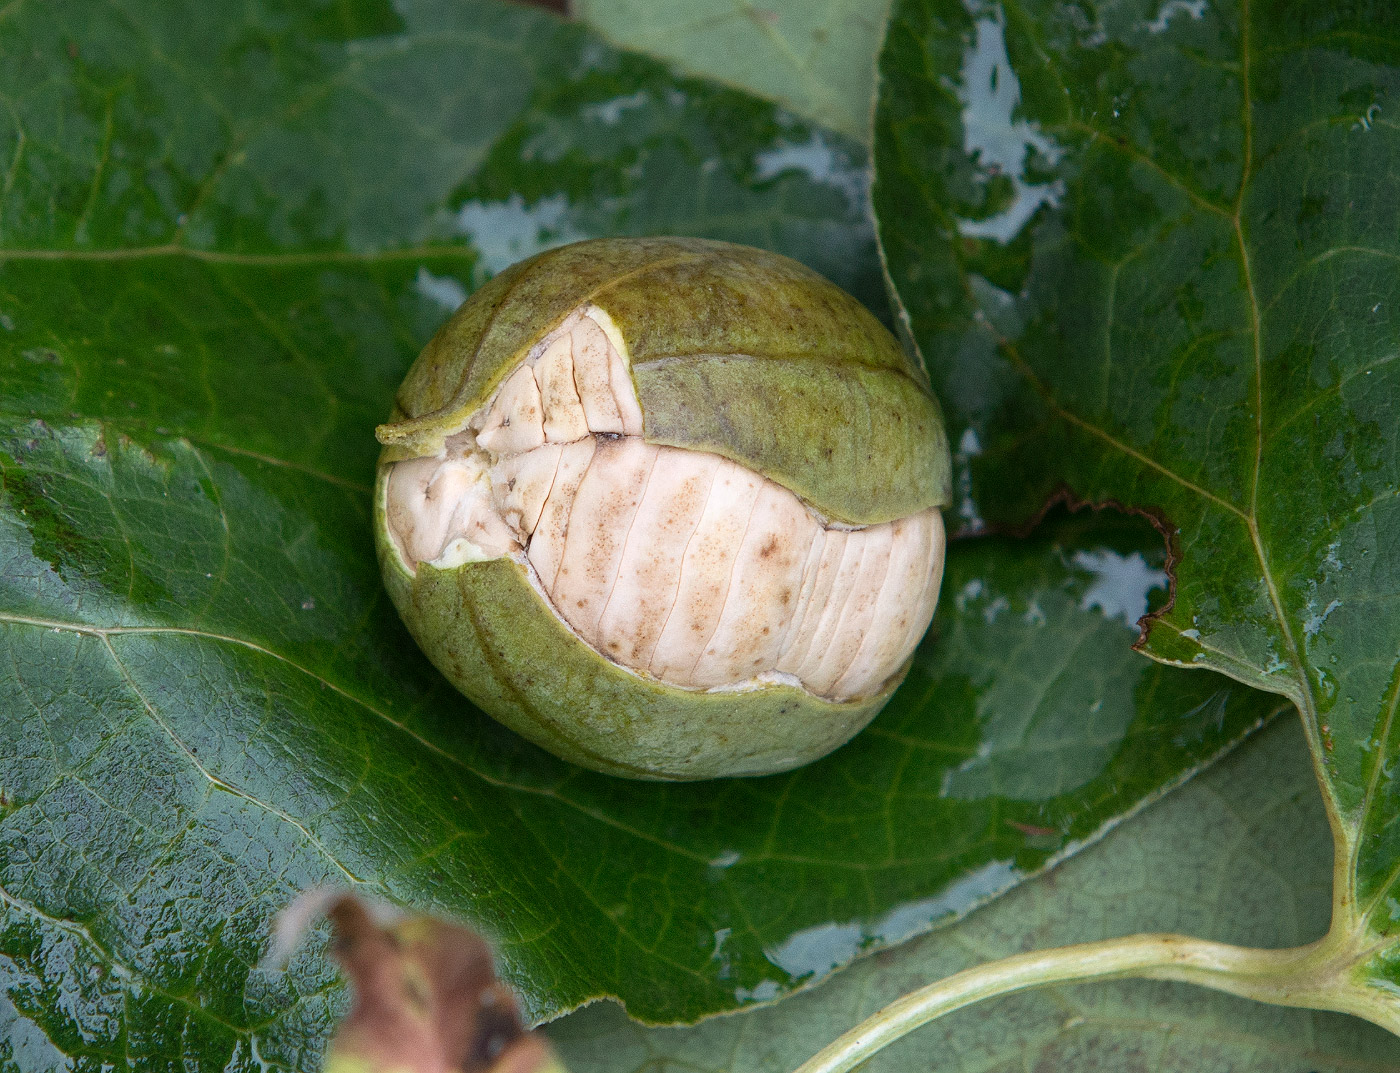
<point>679,564</point>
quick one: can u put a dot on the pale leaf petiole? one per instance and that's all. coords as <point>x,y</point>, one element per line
<point>1318,975</point>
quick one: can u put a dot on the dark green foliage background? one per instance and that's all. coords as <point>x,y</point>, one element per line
<point>223,236</point>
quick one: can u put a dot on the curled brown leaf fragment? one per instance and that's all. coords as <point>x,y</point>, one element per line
<point>426,998</point>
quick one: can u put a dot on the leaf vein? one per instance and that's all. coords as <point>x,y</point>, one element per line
<point>213,779</point>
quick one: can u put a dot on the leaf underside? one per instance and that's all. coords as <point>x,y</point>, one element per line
<point>816,59</point>
<point>1241,854</point>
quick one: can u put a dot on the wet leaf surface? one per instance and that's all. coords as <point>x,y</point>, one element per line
<point>219,251</point>
<point>1150,254</point>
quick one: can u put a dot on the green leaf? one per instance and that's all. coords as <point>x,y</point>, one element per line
<point>208,747</point>
<point>1240,854</point>
<point>816,59</point>
<point>223,237</point>
<point>1150,255</point>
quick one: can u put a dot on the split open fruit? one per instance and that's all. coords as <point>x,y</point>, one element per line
<point>667,507</point>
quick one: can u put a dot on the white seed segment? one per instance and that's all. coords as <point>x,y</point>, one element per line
<point>911,548</point>
<point>856,609</point>
<point>546,545</point>
<point>564,421</point>
<point>604,506</point>
<point>516,423</point>
<point>592,377</point>
<point>677,564</point>
<point>706,571</point>
<point>843,559</point>
<point>649,576</point>
<point>764,582</point>
<point>440,510</point>
<point>523,483</point>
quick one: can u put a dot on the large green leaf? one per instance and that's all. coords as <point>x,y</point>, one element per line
<point>817,59</point>
<point>223,236</point>
<point>1150,252</point>
<point>1241,854</point>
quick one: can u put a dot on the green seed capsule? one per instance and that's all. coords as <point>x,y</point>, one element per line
<point>667,507</point>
